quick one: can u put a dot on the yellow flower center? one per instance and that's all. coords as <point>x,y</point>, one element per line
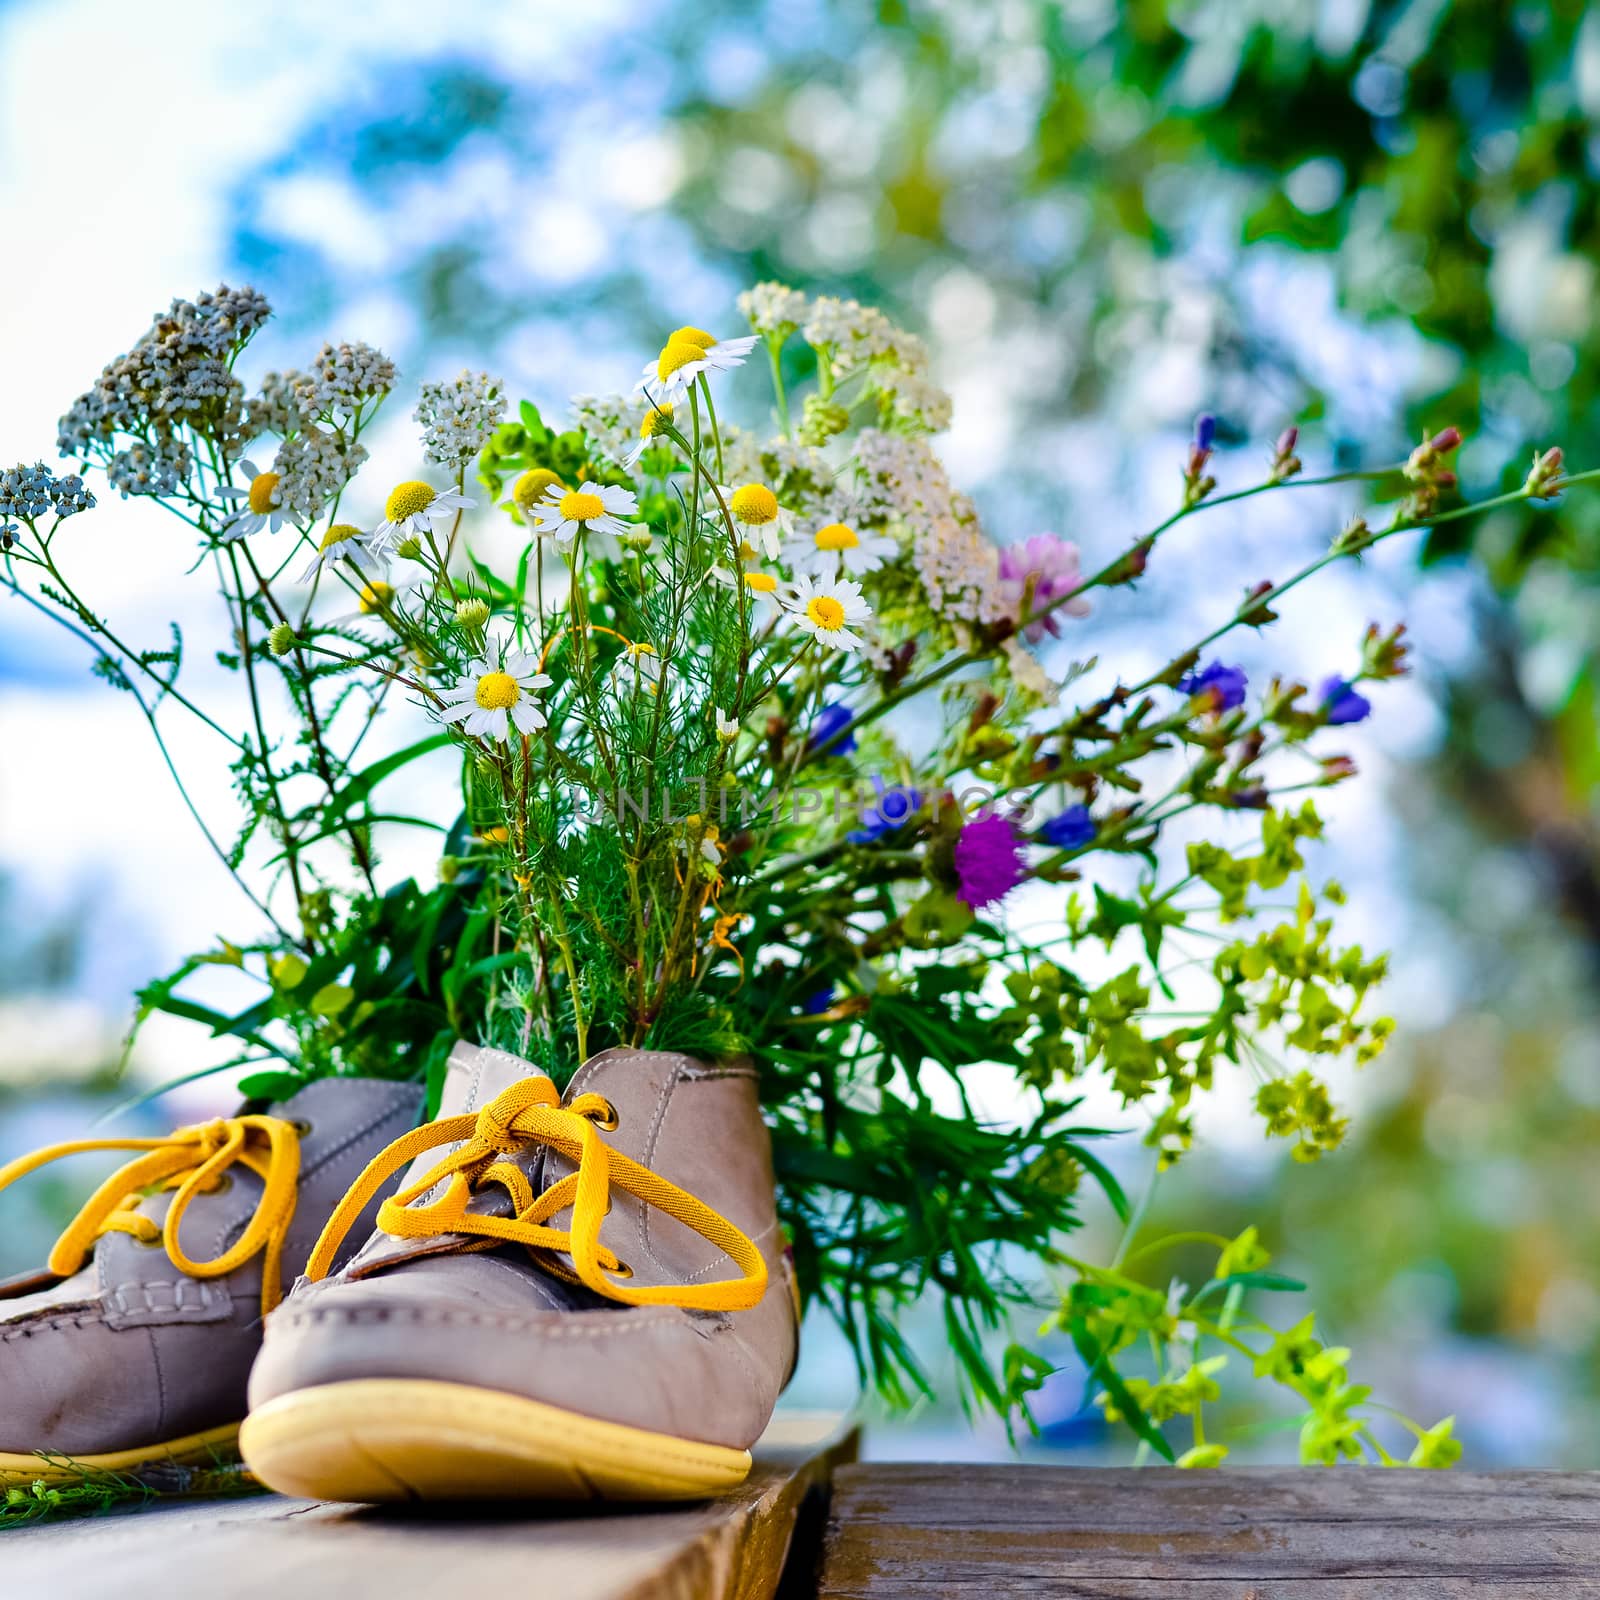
<point>577,506</point>
<point>407,499</point>
<point>826,612</point>
<point>761,582</point>
<point>376,596</point>
<point>674,354</point>
<point>264,492</point>
<point>533,485</point>
<point>755,502</point>
<point>339,533</point>
<point>836,536</point>
<point>698,337</point>
<point>655,421</point>
<point>641,649</point>
<point>498,691</point>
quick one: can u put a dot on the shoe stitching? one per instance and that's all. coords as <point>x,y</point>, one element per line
<point>564,1325</point>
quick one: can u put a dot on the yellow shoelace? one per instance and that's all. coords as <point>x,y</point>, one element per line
<point>191,1161</point>
<point>530,1112</point>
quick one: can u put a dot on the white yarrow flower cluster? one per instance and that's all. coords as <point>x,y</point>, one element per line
<point>902,480</point>
<point>457,417</point>
<point>774,308</point>
<point>314,466</point>
<point>346,375</point>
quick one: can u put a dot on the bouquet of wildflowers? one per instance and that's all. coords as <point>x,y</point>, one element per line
<point>757,755</point>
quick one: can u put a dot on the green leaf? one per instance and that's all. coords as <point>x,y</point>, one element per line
<point>366,781</point>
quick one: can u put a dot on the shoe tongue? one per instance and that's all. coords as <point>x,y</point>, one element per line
<point>474,1075</point>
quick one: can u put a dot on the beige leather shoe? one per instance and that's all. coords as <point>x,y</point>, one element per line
<point>134,1345</point>
<point>587,1296</point>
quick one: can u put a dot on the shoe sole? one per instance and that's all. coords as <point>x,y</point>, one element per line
<point>389,1439</point>
<point>216,1447</point>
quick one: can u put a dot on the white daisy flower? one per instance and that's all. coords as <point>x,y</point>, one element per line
<point>497,694</point>
<point>263,503</point>
<point>825,609</point>
<point>638,669</point>
<point>343,541</point>
<point>591,507</point>
<point>762,587</point>
<point>727,728</point>
<point>838,547</point>
<point>656,419</point>
<point>755,508</point>
<point>415,507</point>
<point>721,355</point>
<point>687,353</point>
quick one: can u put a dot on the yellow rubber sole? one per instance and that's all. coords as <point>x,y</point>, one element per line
<point>216,1447</point>
<point>388,1439</point>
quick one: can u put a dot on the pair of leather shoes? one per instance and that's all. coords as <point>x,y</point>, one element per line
<point>567,1295</point>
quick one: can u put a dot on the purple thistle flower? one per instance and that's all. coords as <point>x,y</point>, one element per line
<point>988,860</point>
<point>1341,703</point>
<point>1053,565</point>
<point>1224,686</point>
<point>895,808</point>
<point>1071,830</point>
<point>832,719</point>
<point>1205,432</point>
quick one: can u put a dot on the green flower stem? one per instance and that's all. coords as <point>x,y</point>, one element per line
<point>101,631</point>
<point>291,849</point>
<point>775,359</point>
<point>320,754</point>
<point>166,756</point>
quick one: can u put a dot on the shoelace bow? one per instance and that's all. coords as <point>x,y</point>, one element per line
<point>191,1161</point>
<point>530,1112</point>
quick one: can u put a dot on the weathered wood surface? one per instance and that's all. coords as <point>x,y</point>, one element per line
<point>1238,1534</point>
<point>731,1548</point>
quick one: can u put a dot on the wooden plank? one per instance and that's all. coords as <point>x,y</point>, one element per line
<point>733,1547</point>
<point>1244,1533</point>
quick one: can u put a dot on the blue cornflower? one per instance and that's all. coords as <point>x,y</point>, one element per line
<point>1224,685</point>
<point>820,1001</point>
<point>894,810</point>
<point>832,719</point>
<point>1071,830</point>
<point>1341,703</point>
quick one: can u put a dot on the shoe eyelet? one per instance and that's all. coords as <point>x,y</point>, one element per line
<point>608,1121</point>
<point>221,1184</point>
<point>157,1243</point>
<point>303,1128</point>
<point>623,1270</point>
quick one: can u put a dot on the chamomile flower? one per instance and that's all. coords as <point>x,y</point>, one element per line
<point>656,419</point>
<point>343,541</point>
<point>415,507</point>
<point>590,508</point>
<point>263,503</point>
<point>762,587</point>
<point>755,508</point>
<point>637,669</point>
<point>497,694</point>
<point>838,547</point>
<point>826,609</point>
<point>687,353</point>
